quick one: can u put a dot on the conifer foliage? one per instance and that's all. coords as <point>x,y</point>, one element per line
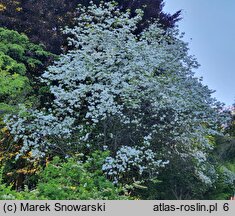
<point>120,109</point>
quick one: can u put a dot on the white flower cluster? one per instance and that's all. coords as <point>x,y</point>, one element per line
<point>204,178</point>
<point>229,176</point>
<point>127,159</point>
<point>205,171</point>
<point>35,129</point>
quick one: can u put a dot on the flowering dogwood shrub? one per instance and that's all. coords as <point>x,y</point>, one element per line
<point>116,88</point>
<point>127,159</point>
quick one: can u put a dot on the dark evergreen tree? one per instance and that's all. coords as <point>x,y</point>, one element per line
<point>42,20</point>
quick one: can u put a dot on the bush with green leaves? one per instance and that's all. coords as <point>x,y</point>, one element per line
<point>74,180</point>
<point>19,55</point>
<point>65,179</point>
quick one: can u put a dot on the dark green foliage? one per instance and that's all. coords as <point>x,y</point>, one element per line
<point>231,127</point>
<point>225,148</point>
<point>177,182</point>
